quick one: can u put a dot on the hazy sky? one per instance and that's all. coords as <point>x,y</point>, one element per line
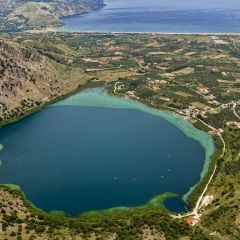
<point>177,4</point>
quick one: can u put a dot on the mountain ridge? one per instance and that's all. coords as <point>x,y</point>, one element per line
<point>46,12</point>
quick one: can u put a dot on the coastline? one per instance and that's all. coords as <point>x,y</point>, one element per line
<point>54,29</point>
<point>61,28</point>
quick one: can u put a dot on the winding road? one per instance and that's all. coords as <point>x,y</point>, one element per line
<point>234,110</point>
<point>195,211</point>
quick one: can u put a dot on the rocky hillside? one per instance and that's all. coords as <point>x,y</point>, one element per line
<point>28,79</point>
<point>6,6</point>
<point>46,12</point>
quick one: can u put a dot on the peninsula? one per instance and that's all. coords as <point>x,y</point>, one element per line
<point>22,14</point>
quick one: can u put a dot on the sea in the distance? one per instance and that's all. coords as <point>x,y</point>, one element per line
<point>93,151</point>
<point>175,16</point>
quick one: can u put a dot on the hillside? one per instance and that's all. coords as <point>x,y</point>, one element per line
<point>28,79</point>
<point>44,13</point>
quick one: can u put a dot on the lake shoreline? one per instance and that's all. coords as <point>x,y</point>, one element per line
<point>186,126</point>
<point>159,199</point>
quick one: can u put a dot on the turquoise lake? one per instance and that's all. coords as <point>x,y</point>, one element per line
<point>175,16</point>
<point>93,151</point>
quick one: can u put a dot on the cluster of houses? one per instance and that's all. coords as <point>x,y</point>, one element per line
<point>236,124</point>
<point>192,112</point>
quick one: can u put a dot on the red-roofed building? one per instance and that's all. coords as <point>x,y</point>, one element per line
<point>192,220</point>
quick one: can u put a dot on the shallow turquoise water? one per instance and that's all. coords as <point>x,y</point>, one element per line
<point>93,152</point>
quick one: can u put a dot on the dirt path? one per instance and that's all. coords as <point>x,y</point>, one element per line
<point>195,211</point>
<point>140,65</point>
<point>234,110</point>
<point>197,207</point>
<point>190,89</point>
<point>218,133</point>
<point>224,146</point>
<point>238,156</point>
<point>115,87</point>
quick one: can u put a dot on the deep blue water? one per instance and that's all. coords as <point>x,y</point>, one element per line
<point>176,205</point>
<point>76,159</point>
<point>180,16</point>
